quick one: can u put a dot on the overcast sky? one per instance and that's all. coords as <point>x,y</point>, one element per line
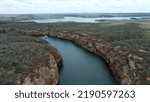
<point>73,6</point>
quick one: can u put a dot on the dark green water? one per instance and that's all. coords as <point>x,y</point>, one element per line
<point>80,67</point>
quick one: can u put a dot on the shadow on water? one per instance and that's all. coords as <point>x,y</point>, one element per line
<point>80,67</point>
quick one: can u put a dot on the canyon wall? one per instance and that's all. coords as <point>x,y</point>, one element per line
<point>45,73</point>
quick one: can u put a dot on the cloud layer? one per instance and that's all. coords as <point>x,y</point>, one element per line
<point>66,6</point>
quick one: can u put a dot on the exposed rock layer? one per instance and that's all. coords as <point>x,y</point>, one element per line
<point>45,73</point>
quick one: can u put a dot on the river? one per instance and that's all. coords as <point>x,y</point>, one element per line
<point>80,67</point>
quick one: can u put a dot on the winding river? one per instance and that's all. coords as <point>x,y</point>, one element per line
<point>80,67</point>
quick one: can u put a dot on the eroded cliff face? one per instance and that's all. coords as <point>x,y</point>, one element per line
<point>45,73</point>
<point>124,65</point>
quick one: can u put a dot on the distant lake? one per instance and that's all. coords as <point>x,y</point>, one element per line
<point>78,19</point>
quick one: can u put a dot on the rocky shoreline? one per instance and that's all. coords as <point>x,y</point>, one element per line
<point>124,65</point>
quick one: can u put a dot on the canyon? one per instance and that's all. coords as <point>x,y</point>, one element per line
<point>124,65</point>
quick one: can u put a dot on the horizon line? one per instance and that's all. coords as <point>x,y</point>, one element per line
<point>74,13</point>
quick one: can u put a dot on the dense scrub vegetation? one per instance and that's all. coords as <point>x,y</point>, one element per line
<point>19,54</point>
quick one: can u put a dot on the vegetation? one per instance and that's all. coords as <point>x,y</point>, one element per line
<point>19,54</point>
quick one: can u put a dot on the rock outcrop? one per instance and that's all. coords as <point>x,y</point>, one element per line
<point>124,65</point>
<point>45,73</point>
